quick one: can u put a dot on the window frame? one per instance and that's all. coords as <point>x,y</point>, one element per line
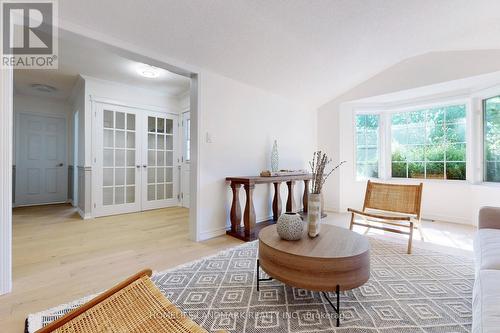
<point>379,147</point>
<point>438,105</point>
<point>482,138</point>
<point>385,138</point>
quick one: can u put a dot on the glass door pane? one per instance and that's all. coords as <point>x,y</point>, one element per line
<point>160,178</point>
<point>117,161</point>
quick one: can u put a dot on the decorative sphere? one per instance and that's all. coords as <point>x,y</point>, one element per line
<point>290,226</point>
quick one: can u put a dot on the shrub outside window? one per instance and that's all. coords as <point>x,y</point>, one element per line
<point>429,143</point>
<point>491,139</point>
<point>367,145</point>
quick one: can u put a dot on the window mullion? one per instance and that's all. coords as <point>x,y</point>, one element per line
<point>385,146</point>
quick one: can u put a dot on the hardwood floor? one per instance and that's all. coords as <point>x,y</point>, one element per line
<point>57,257</point>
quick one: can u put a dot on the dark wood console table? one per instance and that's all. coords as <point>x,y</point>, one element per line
<point>250,230</point>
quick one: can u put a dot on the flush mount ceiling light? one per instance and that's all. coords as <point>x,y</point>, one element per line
<point>45,88</point>
<point>148,71</point>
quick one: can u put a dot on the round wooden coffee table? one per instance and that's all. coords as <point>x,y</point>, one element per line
<point>337,259</point>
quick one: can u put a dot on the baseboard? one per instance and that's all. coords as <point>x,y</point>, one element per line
<point>450,219</point>
<point>83,215</point>
<point>211,234</point>
<point>332,209</point>
<point>262,219</point>
<point>222,231</point>
<point>430,217</point>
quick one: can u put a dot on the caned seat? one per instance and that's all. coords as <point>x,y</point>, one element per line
<point>136,305</point>
<point>394,205</point>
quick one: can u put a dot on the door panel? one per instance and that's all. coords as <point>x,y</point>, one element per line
<point>160,174</point>
<point>41,171</point>
<point>117,161</point>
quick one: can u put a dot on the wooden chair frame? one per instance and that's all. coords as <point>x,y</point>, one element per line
<point>407,215</point>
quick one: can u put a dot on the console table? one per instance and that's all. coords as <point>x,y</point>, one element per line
<point>251,229</point>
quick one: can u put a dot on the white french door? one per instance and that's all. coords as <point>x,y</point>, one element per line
<point>160,176</point>
<point>118,158</point>
<point>135,160</point>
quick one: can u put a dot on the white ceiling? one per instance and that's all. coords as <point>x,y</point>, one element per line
<point>308,50</point>
<point>86,58</point>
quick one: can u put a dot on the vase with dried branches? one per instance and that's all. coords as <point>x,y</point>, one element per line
<point>319,167</point>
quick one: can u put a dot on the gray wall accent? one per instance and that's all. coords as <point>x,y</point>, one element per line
<point>84,191</point>
<point>70,182</point>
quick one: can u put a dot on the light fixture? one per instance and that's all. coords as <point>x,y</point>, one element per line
<point>149,71</point>
<point>45,88</point>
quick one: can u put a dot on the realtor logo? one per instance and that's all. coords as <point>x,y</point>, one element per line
<point>29,34</point>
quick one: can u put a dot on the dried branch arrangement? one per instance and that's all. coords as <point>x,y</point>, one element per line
<point>318,165</point>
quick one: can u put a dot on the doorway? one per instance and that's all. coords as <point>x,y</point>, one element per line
<point>185,167</point>
<point>82,158</point>
<point>136,160</point>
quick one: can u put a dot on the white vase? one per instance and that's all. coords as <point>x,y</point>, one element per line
<point>314,214</point>
<point>275,158</point>
<point>290,226</point>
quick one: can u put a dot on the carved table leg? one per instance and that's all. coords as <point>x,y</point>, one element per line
<point>235,208</point>
<point>290,202</point>
<point>305,198</point>
<point>249,214</point>
<point>276,202</point>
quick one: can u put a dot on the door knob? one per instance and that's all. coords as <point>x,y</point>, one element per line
<point>137,166</point>
<point>144,166</point>
<point>60,164</point>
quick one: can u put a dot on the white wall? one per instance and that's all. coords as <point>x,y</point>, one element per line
<point>426,77</point>
<point>77,102</point>
<point>6,140</point>
<point>243,121</point>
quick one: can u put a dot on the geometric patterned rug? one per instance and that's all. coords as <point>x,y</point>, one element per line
<point>426,291</point>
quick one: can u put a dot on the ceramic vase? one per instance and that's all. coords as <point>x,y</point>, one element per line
<point>290,226</point>
<point>314,214</point>
<point>275,158</point>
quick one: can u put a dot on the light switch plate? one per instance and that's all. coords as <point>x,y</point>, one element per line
<point>208,137</point>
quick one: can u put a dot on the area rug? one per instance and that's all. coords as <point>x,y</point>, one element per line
<point>423,292</point>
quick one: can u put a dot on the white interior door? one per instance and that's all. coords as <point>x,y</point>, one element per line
<point>41,171</point>
<point>117,160</point>
<point>185,159</point>
<point>160,161</point>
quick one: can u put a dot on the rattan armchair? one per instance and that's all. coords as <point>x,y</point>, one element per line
<point>395,205</point>
<point>136,305</point>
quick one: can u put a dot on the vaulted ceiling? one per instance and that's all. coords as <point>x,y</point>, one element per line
<point>306,50</point>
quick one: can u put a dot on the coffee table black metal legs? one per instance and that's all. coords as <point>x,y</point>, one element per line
<point>258,276</point>
<point>335,308</point>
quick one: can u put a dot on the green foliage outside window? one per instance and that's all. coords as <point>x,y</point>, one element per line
<point>429,143</point>
<point>492,139</point>
<point>367,145</point>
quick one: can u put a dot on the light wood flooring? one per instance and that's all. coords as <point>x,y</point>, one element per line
<point>58,257</point>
